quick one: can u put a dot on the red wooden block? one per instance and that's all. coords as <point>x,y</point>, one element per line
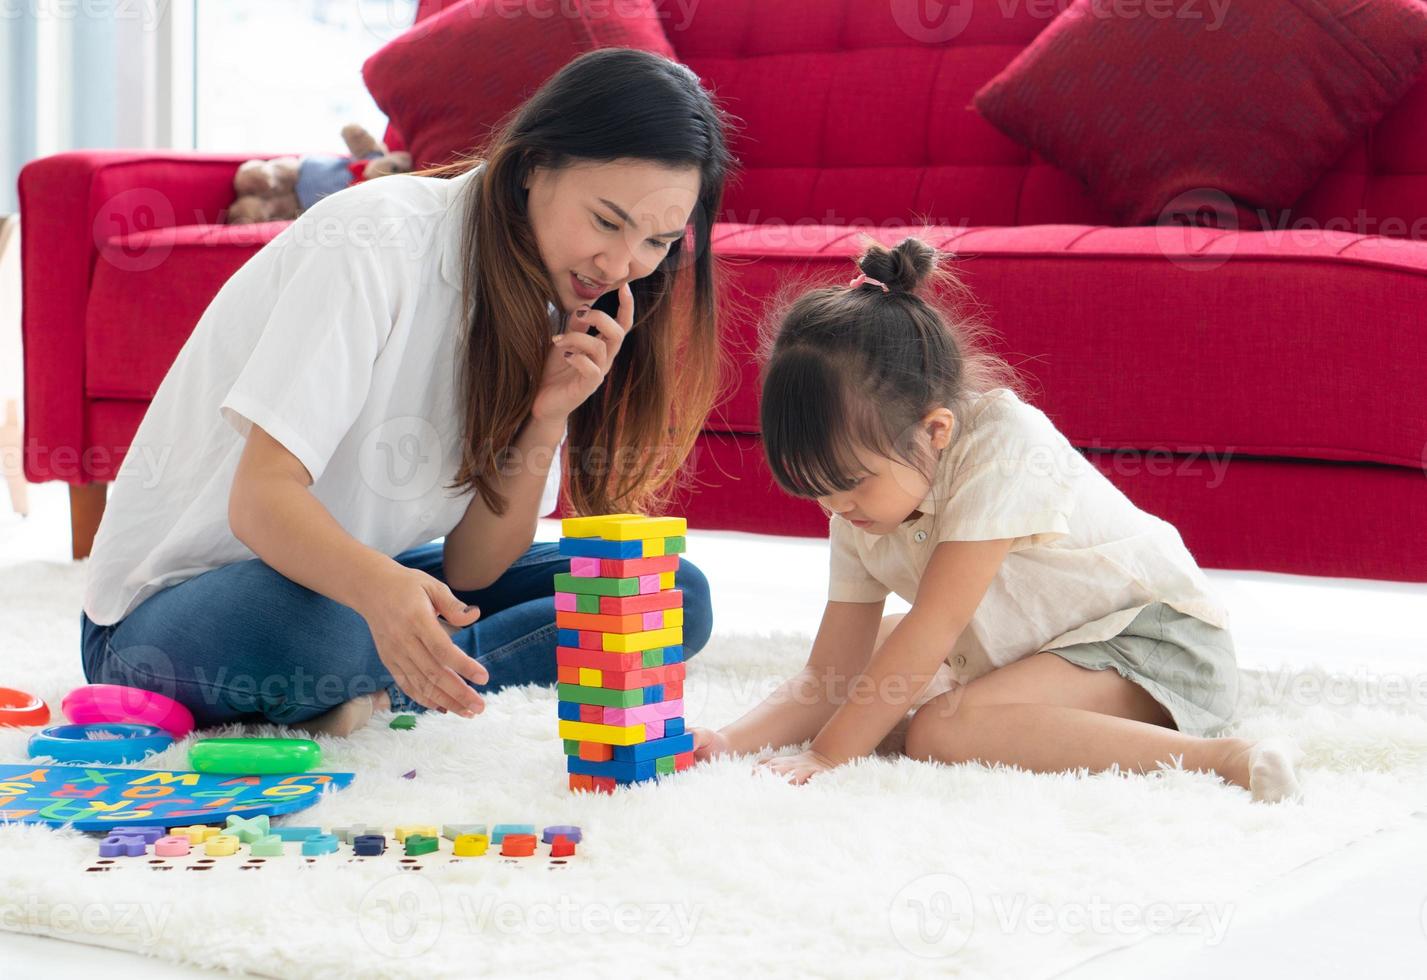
<point>633,567</point>
<point>591,640</point>
<point>562,846</point>
<point>598,622</point>
<point>683,760</point>
<point>596,752</point>
<point>599,659</point>
<point>617,605</point>
<point>674,689</point>
<point>628,680</point>
<point>581,783</point>
<point>592,713</point>
<point>603,784</point>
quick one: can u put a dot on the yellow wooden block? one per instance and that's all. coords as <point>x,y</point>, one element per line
<point>588,731</point>
<point>471,845</point>
<point>653,547</point>
<point>639,528</point>
<point>221,845</point>
<point>592,526</point>
<point>590,677</point>
<point>669,636</point>
<point>406,830</point>
<point>666,581</point>
<point>196,834</point>
<point>673,617</point>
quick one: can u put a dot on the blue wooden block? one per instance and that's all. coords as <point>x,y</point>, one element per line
<point>501,829</point>
<point>568,710</point>
<point>296,833</point>
<point>321,844</point>
<point>595,548</point>
<point>649,751</point>
<point>673,726</point>
<point>568,638</point>
<point>673,655</point>
<point>569,831</point>
<point>122,845</point>
<point>620,771</point>
<point>369,845</point>
<point>654,693</point>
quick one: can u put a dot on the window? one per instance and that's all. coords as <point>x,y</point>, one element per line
<point>284,76</point>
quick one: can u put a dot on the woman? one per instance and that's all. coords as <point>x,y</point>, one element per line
<point>405,362</point>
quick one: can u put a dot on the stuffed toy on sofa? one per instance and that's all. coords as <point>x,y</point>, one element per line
<point>281,188</point>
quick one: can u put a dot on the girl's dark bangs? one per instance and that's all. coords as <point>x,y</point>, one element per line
<point>806,434</point>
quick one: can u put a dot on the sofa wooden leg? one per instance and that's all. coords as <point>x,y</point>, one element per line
<point>86,507</point>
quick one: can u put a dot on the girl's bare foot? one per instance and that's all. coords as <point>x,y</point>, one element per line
<point>1268,768</point>
<point>348,717</point>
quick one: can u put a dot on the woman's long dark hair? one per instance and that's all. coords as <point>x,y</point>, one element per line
<point>627,442</point>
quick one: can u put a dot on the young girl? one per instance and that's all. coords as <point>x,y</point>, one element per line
<point>1053,625</point>
<point>401,364</point>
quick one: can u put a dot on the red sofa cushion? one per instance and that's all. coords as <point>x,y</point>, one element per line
<point>455,75</point>
<point>1148,109</point>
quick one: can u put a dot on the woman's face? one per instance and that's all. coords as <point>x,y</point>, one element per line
<point>601,224</point>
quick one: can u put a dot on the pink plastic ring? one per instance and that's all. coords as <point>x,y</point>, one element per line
<point>96,704</point>
<point>18,708</point>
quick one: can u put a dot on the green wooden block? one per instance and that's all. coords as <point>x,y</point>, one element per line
<point>664,765</point>
<point>572,746</point>
<point>565,582</point>
<point>654,658</point>
<point>587,604</point>
<point>674,545</point>
<point>608,697</point>
<point>266,847</point>
<point>419,844</point>
<point>403,722</point>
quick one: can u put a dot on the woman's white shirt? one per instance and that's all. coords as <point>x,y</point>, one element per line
<point>340,338</point>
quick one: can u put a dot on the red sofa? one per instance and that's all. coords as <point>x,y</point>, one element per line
<point>1254,388</point>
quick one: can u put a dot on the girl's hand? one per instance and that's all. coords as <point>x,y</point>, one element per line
<point>416,649</point>
<point>709,744</point>
<point>578,362</point>
<point>801,767</point>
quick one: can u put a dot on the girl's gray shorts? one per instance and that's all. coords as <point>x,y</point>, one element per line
<point>1188,665</point>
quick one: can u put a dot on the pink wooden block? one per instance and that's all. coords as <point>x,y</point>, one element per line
<point>644,713</point>
<point>585,567</point>
<point>565,602</point>
<point>654,620</point>
<point>648,584</point>
<point>171,846</point>
<point>653,730</point>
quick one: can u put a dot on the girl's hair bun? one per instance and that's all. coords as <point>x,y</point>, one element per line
<point>904,267</point>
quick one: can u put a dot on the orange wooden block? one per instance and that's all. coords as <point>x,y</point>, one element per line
<point>568,674</point>
<point>598,622</point>
<point>596,752</point>
<point>581,783</point>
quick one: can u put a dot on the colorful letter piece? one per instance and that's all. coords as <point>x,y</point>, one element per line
<point>620,625</point>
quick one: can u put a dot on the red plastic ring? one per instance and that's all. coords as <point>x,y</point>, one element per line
<point>18,708</point>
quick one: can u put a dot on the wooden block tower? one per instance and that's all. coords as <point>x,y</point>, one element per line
<point>620,653</point>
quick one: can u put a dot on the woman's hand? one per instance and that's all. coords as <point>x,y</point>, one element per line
<point>414,646</point>
<point>709,744</point>
<point>801,767</point>
<point>578,362</point>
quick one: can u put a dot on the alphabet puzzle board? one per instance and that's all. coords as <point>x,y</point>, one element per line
<point>96,798</point>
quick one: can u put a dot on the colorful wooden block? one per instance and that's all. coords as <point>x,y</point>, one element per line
<point>591,526</point>
<point>626,772</point>
<point>603,784</point>
<point>673,726</point>
<point>347,834</point>
<point>623,605</point>
<point>608,734</point>
<point>666,581</point>
<point>419,844</point>
<point>658,711</point>
<point>319,845</point>
<point>586,567</point>
<point>471,845</point>
<point>172,846</point>
<point>518,845</point>
<point>196,834</point>
<point>451,831</point>
<point>580,783</point>
<point>572,747</point>
<point>632,623</point>
<point>369,845</point>
<point>675,545</point>
<point>149,834</point>
<point>501,829</point>
<point>573,656</point>
<point>623,680</point>
<point>562,846</point>
<point>654,658</point>
<point>591,677</point>
<point>654,729</point>
<point>664,764</point>
<point>653,548</point>
<point>595,548</point>
<point>270,846</point>
<point>630,642</point>
<point>566,675</point>
<point>248,830</point>
<point>569,832</point>
<point>591,712</point>
<point>406,830</point>
<point>623,527</point>
<point>683,761</point>
<point>631,567</point>
<point>565,582</point>
<point>221,845</point>
<point>653,749</point>
<point>296,833</point>
<point>600,696</point>
<point>566,602</point>
<point>123,845</point>
<point>595,752</point>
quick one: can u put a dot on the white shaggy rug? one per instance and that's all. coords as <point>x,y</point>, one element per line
<point>881,868</point>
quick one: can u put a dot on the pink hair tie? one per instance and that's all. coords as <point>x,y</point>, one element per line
<point>865,279</point>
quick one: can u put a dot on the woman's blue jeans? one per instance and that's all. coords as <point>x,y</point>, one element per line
<point>245,643</point>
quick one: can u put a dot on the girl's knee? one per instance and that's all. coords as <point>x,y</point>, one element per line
<point>698,607</point>
<point>929,732</point>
